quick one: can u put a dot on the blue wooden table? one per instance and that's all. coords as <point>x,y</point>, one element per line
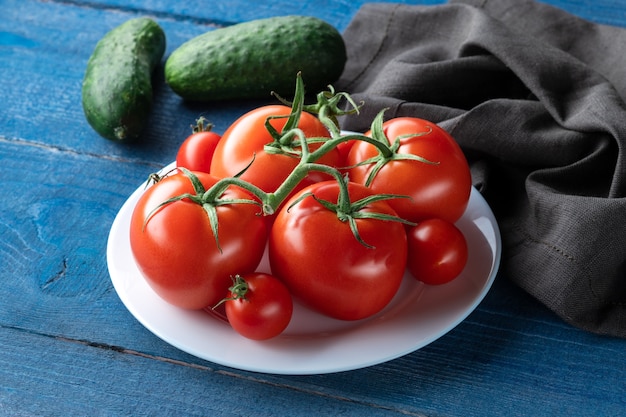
<point>69,347</point>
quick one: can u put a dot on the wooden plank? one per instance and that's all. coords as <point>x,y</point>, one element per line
<point>609,12</point>
<point>61,378</point>
<point>41,76</point>
<point>475,368</point>
<point>216,13</point>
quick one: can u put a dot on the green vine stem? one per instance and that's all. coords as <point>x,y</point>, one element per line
<point>346,210</point>
<point>291,141</point>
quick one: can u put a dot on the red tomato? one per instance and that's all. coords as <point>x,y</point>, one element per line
<point>437,251</point>
<point>176,250</point>
<point>259,306</point>
<point>439,190</point>
<point>196,152</point>
<point>244,140</point>
<point>325,266</point>
<point>344,150</point>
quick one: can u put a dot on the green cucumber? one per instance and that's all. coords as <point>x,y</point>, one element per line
<point>117,88</point>
<point>250,60</point>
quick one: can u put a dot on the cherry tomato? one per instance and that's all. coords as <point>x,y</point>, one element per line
<point>259,306</point>
<point>244,142</point>
<point>196,152</point>
<point>175,247</point>
<point>439,189</point>
<point>437,251</point>
<point>323,264</point>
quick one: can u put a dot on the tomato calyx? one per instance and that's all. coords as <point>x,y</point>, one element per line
<point>327,106</point>
<point>209,200</point>
<point>389,151</point>
<point>289,141</point>
<point>286,141</point>
<point>283,142</point>
<point>202,125</point>
<point>239,288</point>
<point>238,291</point>
<point>349,211</point>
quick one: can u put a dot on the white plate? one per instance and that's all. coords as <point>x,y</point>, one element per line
<point>314,344</point>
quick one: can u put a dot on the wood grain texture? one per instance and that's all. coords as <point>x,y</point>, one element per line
<point>68,346</point>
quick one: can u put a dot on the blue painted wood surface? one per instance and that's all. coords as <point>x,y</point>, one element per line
<point>68,346</point>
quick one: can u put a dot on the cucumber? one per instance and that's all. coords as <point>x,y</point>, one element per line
<point>117,87</point>
<point>250,60</point>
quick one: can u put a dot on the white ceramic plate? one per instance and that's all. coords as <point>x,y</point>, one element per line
<point>315,344</point>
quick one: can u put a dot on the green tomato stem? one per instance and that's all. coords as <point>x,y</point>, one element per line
<point>275,199</point>
<point>238,290</point>
<point>327,109</point>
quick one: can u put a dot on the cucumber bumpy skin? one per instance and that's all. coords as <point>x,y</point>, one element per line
<point>250,60</point>
<point>117,88</point>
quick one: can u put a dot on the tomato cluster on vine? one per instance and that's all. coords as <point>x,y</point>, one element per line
<point>342,215</point>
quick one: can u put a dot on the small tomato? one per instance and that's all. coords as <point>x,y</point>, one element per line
<point>437,251</point>
<point>196,152</point>
<point>258,306</point>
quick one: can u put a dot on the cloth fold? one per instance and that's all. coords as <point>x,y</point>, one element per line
<point>535,97</point>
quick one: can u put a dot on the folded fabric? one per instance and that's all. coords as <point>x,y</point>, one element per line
<point>536,98</point>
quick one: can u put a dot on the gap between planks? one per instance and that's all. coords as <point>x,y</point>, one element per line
<point>232,374</point>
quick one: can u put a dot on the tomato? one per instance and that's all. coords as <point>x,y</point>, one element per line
<point>244,142</point>
<point>259,306</point>
<point>196,152</point>
<point>176,250</point>
<point>323,264</point>
<point>437,251</point>
<point>438,189</point>
<point>344,150</point>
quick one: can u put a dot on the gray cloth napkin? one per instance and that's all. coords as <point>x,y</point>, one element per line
<point>535,96</point>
